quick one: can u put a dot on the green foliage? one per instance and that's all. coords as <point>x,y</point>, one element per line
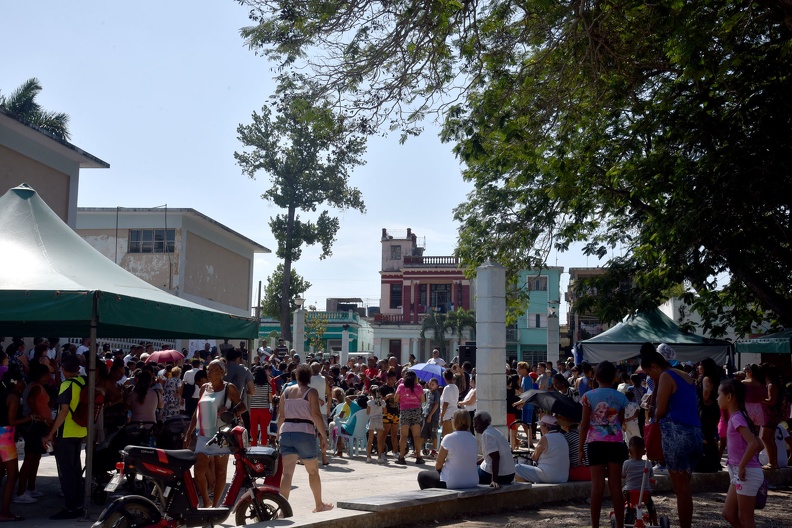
<point>655,131</point>
<point>308,151</point>
<point>460,320</point>
<point>315,328</point>
<point>21,104</point>
<point>438,324</point>
<point>271,303</point>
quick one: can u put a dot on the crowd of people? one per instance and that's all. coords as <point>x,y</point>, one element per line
<point>309,406</point>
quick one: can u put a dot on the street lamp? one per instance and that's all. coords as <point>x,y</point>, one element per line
<point>299,327</point>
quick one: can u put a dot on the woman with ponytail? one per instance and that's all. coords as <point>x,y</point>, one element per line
<point>745,471</point>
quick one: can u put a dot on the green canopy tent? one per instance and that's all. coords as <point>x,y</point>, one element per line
<point>52,282</point>
<point>779,343</point>
<point>624,340</point>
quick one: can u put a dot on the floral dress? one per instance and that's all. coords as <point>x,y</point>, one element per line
<point>172,399</point>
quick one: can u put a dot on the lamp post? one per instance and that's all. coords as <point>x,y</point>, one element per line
<point>299,328</point>
<point>553,332</point>
<point>345,344</point>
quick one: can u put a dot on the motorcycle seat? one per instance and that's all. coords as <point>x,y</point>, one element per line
<point>180,459</point>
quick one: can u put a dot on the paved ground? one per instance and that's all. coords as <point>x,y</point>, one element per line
<point>348,479</point>
<point>706,514</point>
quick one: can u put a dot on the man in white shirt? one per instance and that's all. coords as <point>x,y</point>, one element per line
<point>436,359</point>
<point>497,465</point>
<point>85,346</point>
<point>783,441</point>
<point>449,402</point>
<point>543,381</point>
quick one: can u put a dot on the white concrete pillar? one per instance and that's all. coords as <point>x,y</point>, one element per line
<point>414,344</point>
<point>344,345</point>
<point>377,348</point>
<point>491,342</point>
<point>452,345</point>
<point>298,343</point>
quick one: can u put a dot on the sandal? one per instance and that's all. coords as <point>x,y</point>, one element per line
<point>14,518</point>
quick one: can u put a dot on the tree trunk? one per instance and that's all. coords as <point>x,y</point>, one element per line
<point>285,307</point>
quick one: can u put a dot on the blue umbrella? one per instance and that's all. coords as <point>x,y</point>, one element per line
<point>427,371</point>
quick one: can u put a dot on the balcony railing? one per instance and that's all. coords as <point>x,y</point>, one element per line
<point>444,262</point>
<point>397,319</point>
<point>512,335</point>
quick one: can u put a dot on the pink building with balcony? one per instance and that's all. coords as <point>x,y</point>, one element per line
<point>412,285</point>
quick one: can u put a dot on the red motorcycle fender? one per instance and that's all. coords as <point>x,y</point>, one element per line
<point>122,501</point>
<point>265,488</point>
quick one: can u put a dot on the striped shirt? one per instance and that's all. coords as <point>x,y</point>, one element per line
<point>261,399</point>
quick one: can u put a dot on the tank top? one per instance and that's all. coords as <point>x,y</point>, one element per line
<point>208,406</point>
<point>554,460</point>
<point>683,403</point>
<point>297,413</point>
<point>261,399</point>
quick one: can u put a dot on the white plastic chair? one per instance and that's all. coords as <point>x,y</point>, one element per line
<point>358,437</point>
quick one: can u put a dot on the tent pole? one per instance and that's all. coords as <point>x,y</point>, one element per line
<point>91,402</point>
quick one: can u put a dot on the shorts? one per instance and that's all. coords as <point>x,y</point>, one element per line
<point>410,417</point>
<point>510,419</point>
<point>213,450</point>
<point>602,453</point>
<point>376,423</point>
<point>8,450</point>
<point>33,436</point>
<point>301,444</point>
<point>754,477</point>
<point>388,419</point>
<point>683,445</point>
<point>429,430</point>
<point>527,413</point>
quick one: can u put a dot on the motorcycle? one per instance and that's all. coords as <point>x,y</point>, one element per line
<point>176,502</point>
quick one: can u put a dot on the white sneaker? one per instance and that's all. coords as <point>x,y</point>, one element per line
<point>25,498</point>
<point>660,470</point>
<point>368,460</point>
<point>36,493</point>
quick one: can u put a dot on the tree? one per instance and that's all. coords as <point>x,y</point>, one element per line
<point>22,105</point>
<point>315,328</point>
<point>438,324</point>
<point>460,320</point>
<point>271,303</point>
<point>656,129</point>
<point>308,152</point>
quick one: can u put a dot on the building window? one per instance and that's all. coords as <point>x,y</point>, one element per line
<point>537,321</point>
<point>395,296</point>
<point>152,240</point>
<point>395,252</point>
<point>537,283</point>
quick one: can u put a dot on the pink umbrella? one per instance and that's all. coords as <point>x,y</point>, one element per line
<point>165,356</point>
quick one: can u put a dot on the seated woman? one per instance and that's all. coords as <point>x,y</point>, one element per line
<point>551,456</point>
<point>455,467</point>
<point>579,470</point>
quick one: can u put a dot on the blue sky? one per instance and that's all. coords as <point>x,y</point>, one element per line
<point>157,89</point>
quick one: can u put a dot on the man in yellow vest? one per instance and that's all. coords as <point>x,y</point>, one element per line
<point>69,437</point>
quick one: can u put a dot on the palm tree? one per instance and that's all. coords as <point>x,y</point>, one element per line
<point>461,319</point>
<point>438,323</point>
<point>22,105</point>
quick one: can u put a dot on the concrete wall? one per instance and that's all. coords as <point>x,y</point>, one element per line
<point>216,273</point>
<point>53,186</point>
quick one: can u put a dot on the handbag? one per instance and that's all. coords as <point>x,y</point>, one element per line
<point>654,442</point>
<point>761,496</point>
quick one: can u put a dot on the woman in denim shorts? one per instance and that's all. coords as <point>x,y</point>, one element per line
<point>299,421</point>
<point>410,397</point>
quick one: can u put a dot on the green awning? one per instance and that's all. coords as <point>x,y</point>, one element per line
<point>780,343</point>
<point>52,282</point>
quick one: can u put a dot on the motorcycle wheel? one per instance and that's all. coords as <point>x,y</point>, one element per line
<point>271,505</point>
<point>131,515</point>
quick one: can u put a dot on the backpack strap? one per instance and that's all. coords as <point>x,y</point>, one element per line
<point>79,384</point>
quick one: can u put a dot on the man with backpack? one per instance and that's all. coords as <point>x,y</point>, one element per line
<point>69,437</point>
